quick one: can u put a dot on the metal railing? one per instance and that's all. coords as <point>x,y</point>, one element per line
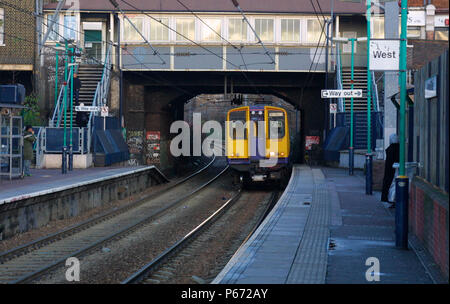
<point>341,106</point>
<point>58,112</point>
<point>101,93</point>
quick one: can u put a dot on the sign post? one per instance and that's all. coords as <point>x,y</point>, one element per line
<point>369,103</point>
<point>402,182</point>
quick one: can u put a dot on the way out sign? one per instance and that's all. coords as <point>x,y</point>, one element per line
<point>384,55</point>
<point>341,93</point>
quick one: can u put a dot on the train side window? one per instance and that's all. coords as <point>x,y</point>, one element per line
<point>237,121</point>
<point>276,124</point>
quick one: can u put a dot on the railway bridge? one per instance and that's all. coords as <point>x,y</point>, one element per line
<point>164,53</point>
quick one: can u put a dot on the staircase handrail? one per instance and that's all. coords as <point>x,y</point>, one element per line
<point>57,113</point>
<point>341,107</point>
<point>101,92</point>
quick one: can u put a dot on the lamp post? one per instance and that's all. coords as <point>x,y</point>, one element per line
<point>351,155</point>
<point>402,182</point>
<point>71,111</point>
<point>56,75</point>
<point>64,148</point>
<point>369,103</point>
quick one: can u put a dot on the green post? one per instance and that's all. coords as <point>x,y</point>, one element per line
<point>64,149</point>
<point>369,101</point>
<point>402,182</point>
<point>351,150</point>
<point>56,76</point>
<point>71,112</point>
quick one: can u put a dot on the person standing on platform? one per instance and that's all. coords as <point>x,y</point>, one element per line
<point>28,140</point>
<point>392,156</point>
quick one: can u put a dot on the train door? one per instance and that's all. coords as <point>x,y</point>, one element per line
<point>237,134</point>
<point>257,134</point>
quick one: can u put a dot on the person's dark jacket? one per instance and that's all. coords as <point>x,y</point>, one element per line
<point>28,141</point>
<point>392,156</point>
<point>76,84</point>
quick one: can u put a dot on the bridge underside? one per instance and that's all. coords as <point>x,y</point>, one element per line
<point>153,100</point>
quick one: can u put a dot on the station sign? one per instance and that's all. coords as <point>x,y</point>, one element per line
<point>341,93</point>
<point>384,54</point>
<point>87,109</point>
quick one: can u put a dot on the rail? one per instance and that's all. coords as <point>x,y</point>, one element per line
<point>121,226</point>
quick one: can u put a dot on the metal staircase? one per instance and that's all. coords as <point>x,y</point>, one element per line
<point>95,84</point>
<point>360,82</point>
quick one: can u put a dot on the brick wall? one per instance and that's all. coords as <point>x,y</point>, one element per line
<point>428,220</point>
<point>20,32</point>
<point>419,3</point>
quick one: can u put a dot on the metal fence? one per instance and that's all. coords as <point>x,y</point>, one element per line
<point>431,143</point>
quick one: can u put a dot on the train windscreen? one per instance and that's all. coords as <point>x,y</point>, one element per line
<point>276,124</point>
<point>237,121</point>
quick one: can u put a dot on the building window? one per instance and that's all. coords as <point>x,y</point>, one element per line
<point>413,32</point>
<point>185,27</point>
<point>158,31</point>
<point>70,27</point>
<point>54,34</point>
<point>441,34</point>
<point>264,29</point>
<point>129,33</point>
<point>209,33</point>
<point>314,30</point>
<point>2,26</point>
<point>377,27</point>
<point>290,30</point>
<point>237,29</point>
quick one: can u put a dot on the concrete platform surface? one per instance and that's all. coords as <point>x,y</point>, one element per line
<point>45,181</point>
<point>324,230</point>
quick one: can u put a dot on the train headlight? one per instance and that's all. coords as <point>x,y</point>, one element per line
<point>272,153</point>
<point>282,153</point>
<point>232,154</point>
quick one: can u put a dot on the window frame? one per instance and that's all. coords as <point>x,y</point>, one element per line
<point>300,34</point>
<point>273,29</point>
<point>204,27</point>
<point>65,27</point>
<point>184,40</point>
<point>168,31</point>
<point>306,41</point>
<point>2,33</point>
<point>143,30</point>
<point>245,37</point>
<point>373,20</point>
<point>56,28</point>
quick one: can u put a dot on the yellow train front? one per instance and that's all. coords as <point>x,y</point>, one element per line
<point>257,144</point>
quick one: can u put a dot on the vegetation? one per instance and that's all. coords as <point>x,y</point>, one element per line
<point>31,115</point>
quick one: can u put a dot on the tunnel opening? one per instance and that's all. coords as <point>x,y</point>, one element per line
<point>154,100</point>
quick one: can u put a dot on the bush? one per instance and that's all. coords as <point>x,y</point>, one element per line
<point>31,115</point>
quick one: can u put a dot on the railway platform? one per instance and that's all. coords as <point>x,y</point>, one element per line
<point>47,195</point>
<point>325,230</point>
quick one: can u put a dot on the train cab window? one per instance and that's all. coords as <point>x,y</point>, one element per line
<point>237,121</point>
<point>276,124</point>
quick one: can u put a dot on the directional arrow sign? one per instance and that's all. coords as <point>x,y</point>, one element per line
<point>341,93</point>
<point>87,109</point>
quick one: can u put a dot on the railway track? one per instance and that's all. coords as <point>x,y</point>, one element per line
<point>32,260</point>
<point>162,268</point>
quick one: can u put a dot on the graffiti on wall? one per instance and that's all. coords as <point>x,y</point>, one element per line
<point>153,147</point>
<point>135,142</point>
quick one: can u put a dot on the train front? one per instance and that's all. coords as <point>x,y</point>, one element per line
<point>257,142</point>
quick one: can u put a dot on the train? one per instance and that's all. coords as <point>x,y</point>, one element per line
<point>258,144</point>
